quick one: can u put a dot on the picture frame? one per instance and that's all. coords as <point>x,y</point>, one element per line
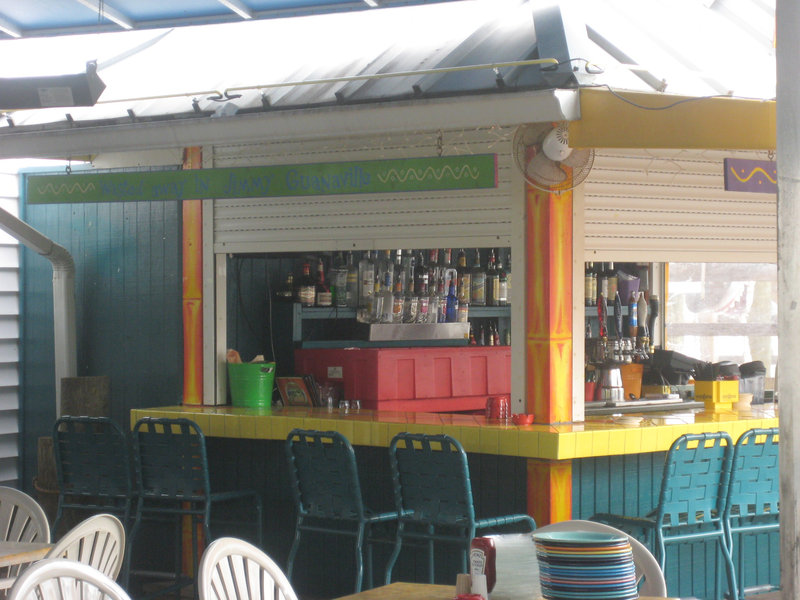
<point>293,391</point>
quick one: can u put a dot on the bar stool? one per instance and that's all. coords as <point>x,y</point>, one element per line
<point>172,479</point>
<point>433,494</point>
<point>691,502</point>
<point>93,467</point>
<point>753,497</point>
<point>326,490</point>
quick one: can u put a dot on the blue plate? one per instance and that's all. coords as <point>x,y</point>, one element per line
<point>583,538</point>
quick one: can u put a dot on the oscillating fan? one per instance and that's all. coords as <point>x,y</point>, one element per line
<point>546,160</point>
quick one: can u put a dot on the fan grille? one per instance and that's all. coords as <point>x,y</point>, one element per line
<point>542,172</point>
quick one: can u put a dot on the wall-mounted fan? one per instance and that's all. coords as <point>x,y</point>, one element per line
<point>542,152</point>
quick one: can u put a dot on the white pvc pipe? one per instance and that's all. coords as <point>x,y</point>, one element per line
<point>66,364</point>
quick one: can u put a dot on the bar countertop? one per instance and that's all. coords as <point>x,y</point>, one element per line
<point>607,435</point>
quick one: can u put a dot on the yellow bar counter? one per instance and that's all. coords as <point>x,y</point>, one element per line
<point>597,436</point>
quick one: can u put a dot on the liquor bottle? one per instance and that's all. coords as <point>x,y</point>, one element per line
<point>508,275</point>
<point>449,271</point>
<point>376,305</point>
<point>502,285</point>
<point>463,312</point>
<point>421,277</point>
<point>464,278</point>
<point>492,281</point>
<point>338,279</point>
<point>434,267</point>
<point>611,274</point>
<point>496,335</point>
<point>602,281</point>
<point>324,296</point>
<point>478,282</point>
<point>441,317</point>
<point>433,301</point>
<point>451,311</point>
<point>398,301</point>
<point>489,335</point>
<point>366,279</point>
<point>387,299</point>
<point>472,340</point>
<point>410,303</point>
<point>633,321</point>
<point>385,265</point>
<point>481,337</point>
<point>351,293</point>
<point>587,284</point>
<point>306,287</point>
<point>286,292</point>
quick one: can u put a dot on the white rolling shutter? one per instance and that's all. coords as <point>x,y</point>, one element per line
<point>9,334</point>
<point>662,205</point>
<point>474,218</point>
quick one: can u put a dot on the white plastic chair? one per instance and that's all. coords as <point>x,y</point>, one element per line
<point>60,579</point>
<point>644,562</point>
<point>232,569</point>
<point>21,520</point>
<point>98,541</point>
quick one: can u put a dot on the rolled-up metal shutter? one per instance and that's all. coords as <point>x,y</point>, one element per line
<point>474,218</point>
<point>671,205</point>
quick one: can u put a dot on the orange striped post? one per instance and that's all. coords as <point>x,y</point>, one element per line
<point>548,341</point>
<point>192,246</point>
<point>192,288</point>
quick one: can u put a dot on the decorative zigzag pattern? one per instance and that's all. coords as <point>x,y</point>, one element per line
<point>64,188</point>
<point>438,174</point>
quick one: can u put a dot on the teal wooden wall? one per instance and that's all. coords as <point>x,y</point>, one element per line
<point>629,485</point>
<point>128,305</point>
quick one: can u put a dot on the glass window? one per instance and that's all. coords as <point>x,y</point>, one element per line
<point>723,311</point>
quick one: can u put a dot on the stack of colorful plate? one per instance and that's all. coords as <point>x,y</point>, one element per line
<point>586,566</point>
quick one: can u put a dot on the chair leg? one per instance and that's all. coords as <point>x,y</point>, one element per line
<point>730,570</point>
<point>395,553</point>
<point>359,557</point>
<point>293,549</point>
<point>430,554</point>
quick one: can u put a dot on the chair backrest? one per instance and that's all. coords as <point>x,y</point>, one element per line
<point>324,475</point>
<point>21,518</point>
<point>754,487</point>
<point>170,459</point>
<point>92,457</point>
<point>98,541</point>
<point>647,568</point>
<point>232,569</point>
<point>694,482</point>
<point>430,476</point>
<point>59,579</point>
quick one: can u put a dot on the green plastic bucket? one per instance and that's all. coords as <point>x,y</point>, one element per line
<point>251,384</point>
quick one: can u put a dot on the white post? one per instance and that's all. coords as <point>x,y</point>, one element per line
<point>788,141</point>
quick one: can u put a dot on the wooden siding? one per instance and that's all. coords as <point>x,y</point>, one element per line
<point>127,288</point>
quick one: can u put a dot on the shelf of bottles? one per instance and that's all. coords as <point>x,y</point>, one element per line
<point>401,287</point>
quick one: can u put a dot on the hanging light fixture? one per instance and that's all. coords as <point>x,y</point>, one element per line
<point>79,89</point>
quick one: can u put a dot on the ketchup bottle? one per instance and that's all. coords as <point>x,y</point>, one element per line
<point>482,560</point>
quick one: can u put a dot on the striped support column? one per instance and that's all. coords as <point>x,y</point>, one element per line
<point>192,288</point>
<point>548,341</point>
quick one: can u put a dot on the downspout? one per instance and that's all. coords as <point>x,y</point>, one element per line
<point>66,364</point>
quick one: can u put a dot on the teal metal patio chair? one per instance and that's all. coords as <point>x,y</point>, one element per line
<point>691,502</point>
<point>327,494</point>
<point>433,495</point>
<point>753,500</point>
<point>93,468</point>
<point>173,481</point>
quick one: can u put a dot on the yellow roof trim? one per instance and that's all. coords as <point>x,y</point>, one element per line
<point>618,120</point>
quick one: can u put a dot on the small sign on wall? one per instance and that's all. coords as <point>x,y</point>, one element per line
<point>746,175</point>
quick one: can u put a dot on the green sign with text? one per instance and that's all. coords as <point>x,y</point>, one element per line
<point>363,177</point>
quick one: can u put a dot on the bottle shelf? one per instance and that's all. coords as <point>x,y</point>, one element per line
<point>591,311</point>
<point>331,312</point>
